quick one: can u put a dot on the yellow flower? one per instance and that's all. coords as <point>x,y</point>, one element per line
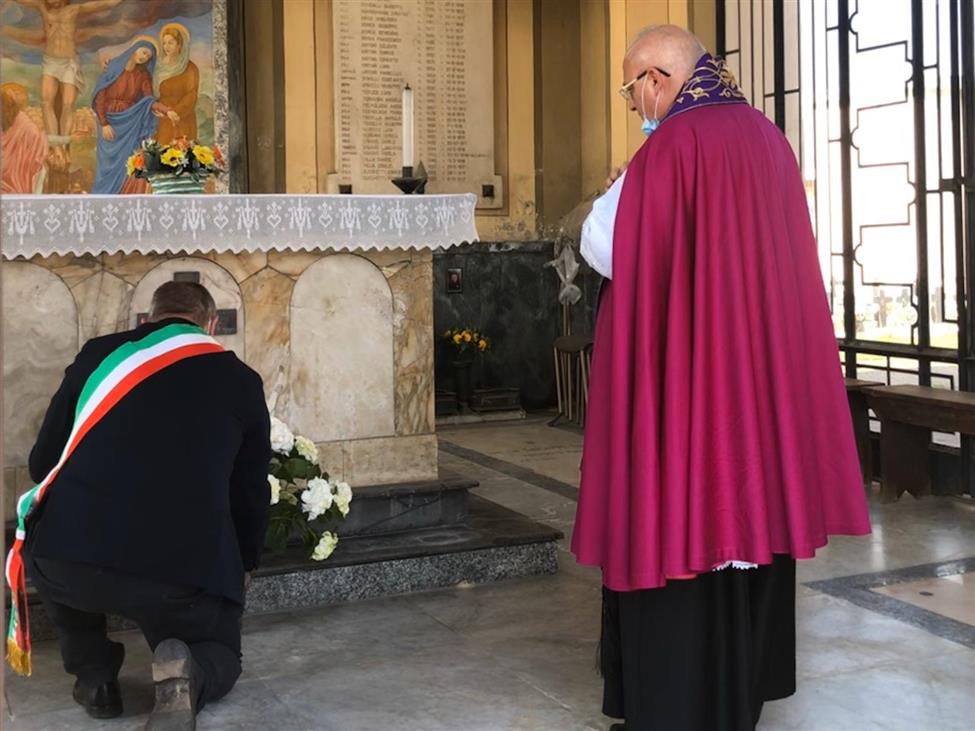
<point>204,155</point>
<point>482,344</point>
<point>172,157</point>
<point>458,338</point>
<point>467,337</point>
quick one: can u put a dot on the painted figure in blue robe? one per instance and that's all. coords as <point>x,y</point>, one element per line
<point>127,113</point>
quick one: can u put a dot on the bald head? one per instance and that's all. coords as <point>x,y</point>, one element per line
<point>670,47</point>
<point>659,60</point>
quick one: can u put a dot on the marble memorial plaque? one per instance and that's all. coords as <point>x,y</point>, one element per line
<point>444,50</point>
<point>226,322</point>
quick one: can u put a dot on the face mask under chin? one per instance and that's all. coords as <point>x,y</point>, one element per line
<point>649,126</point>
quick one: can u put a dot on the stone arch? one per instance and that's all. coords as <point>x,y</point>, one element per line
<point>220,283</point>
<point>342,374</point>
<point>40,333</point>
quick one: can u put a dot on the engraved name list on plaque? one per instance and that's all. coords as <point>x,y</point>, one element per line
<point>444,50</point>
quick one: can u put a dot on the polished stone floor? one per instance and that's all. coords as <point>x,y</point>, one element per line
<point>892,648</point>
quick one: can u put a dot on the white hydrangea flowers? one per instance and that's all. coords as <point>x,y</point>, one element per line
<point>307,449</point>
<point>282,438</point>
<point>326,545</point>
<point>316,498</point>
<point>275,484</point>
<point>302,493</point>
<point>343,497</point>
<point>321,494</point>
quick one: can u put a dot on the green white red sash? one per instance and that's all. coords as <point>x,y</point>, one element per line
<point>122,370</point>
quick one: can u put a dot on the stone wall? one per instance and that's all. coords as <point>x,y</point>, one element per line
<point>344,343</point>
<point>509,294</point>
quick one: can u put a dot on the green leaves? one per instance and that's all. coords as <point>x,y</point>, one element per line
<point>300,468</point>
<point>294,467</point>
<point>288,523</point>
<point>289,497</point>
<point>279,527</point>
<point>153,160</point>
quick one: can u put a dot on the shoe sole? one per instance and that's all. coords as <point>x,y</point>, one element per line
<point>172,660</point>
<point>172,665</point>
<point>103,715</point>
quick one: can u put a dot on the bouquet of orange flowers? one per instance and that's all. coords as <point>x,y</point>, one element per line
<point>180,157</point>
<point>466,339</point>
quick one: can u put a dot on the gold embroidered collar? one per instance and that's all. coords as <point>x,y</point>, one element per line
<point>711,83</point>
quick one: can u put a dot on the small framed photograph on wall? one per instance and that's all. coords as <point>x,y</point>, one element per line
<point>455,280</point>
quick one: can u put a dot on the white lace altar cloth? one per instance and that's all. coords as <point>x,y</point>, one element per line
<point>159,224</point>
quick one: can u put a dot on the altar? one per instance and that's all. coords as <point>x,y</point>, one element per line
<point>328,297</point>
<point>321,273</point>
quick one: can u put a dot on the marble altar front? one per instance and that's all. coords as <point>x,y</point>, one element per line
<point>331,295</point>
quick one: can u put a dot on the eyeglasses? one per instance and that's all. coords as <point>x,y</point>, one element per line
<point>626,91</point>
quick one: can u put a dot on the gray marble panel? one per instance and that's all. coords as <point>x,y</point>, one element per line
<point>103,304</point>
<point>40,333</point>
<point>513,297</point>
<point>225,120</point>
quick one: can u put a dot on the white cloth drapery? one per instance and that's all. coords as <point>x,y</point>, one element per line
<point>158,224</point>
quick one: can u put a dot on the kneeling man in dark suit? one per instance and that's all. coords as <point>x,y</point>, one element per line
<point>159,513</point>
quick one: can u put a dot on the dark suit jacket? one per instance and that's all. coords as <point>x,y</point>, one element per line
<point>171,484</point>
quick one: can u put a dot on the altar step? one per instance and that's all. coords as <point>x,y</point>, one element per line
<point>383,509</point>
<point>494,543</point>
<point>489,417</point>
<point>403,539</point>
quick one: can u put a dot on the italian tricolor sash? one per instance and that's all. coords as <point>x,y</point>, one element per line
<point>122,370</point>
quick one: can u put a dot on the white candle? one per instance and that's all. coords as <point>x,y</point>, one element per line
<point>407,127</point>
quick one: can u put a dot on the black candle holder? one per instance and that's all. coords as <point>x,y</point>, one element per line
<point>412,184</point>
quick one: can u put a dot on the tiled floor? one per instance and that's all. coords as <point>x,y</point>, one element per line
<point>949,596</point>
<point>521,655</point>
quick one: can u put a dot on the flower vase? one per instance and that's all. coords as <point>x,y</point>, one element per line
<point>462,382</point>
<point>171,184</point>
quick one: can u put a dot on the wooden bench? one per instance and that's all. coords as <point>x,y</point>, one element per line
<point>908,415</point>
<point>860,412</point>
